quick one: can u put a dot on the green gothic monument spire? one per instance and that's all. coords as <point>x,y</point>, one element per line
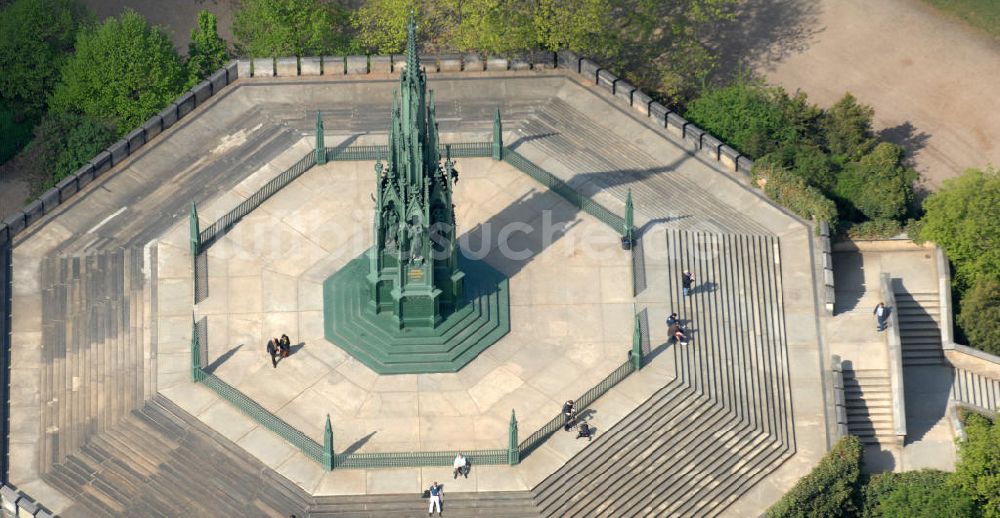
<point>413,302</point>
<point>414,273</point>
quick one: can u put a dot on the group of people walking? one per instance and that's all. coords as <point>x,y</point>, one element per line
<point>279,348</point>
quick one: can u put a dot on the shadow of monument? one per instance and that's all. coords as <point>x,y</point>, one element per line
<point>849,279</point>
<point>516,235</point>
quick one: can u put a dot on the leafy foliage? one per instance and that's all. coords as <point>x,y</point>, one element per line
<point>123,71</point>
<point>381,25</point>
<point>207,51</point>
<point>63,142</point>
<point>963,217</point>
<point>875,229</point>
<point>828,490</point>
<point>750,116</point>
<point>15,131</point>
<point>914,494</point>
<point>268,28</point>
<point>878,185</point>
<point>978,469</point>
<point>36,37</point>
<point>791,191</point>
<point>980,314</point>
<point>847,128</point>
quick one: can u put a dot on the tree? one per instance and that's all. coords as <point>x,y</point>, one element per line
<point>980,314</point>
<point>878,185</point>
<point>665,44</point>
<point>269,28</point>
<point>498,27</point>
<point>963,217</point>
<point>381,25</point>
<point>977,471</point>
<point>123,72</point>
<point>914,494</point>
<point>585,27</point>
<point>207,51</point>
<point>847,129</point>
<point>829,489</point>
<point>36,37</point>
<point>63,142</point>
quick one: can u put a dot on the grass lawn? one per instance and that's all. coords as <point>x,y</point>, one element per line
<point>982,14</point>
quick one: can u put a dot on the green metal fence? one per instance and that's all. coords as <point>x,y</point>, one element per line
<point>563,189</point>
<point>226,222</point>
<point>582,403</point>
<point>418,459</point>
<point>381,151</point>
<point>323,453</point>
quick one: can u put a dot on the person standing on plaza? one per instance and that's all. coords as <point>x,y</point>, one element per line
<point>272,349</point>
<point>437,492</point>
<point>569,413</point>
<point>285,344</point>
<point>881,313</point>
<point>461,466</point>
<point>687,281</point>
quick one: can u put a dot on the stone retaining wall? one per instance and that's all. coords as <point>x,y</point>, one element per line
<point>959,355</point>
<point>826,251</point>
<point>18,504</point>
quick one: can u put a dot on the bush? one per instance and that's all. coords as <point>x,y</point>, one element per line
<point>269,28</point>
<point>878,186</point>
<point>36,37</point>
<point>63,143</point>
<point>806,161</point>
<point>828,490</point>
<point>750,116</point>
<point>875,229</point>
<point>963,217</point>
<point>980,314</point>
<point>123,72</point>
<point>847,129</point>
<point>977,471</point>
<point>793,193</point>
<point>914,494</point>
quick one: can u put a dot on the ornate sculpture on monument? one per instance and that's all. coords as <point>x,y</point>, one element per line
<point>415,281</point>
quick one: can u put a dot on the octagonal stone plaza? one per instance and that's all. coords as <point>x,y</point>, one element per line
<point>106,420</point>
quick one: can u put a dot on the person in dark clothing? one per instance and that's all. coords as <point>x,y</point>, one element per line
<point>272,349</point>
<point>672,320</point>
<point>285,344</point>
<point>687,280</point>
<point>585,431</point>
<point>569,413</point>
<point>678,334</point>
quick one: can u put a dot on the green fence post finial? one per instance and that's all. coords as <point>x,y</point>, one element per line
<point>328,445</point>
<point>320,142</point>
<point>497,137</point>
<point>195,231</point>
<point>513,453</point>
<point>636,355</point>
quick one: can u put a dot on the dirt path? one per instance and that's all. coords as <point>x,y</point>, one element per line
<point>931,79</point>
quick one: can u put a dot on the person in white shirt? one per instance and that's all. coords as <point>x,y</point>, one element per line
<point>461,466</point>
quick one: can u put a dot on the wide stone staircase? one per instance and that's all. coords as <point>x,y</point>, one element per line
<point>919,327</point>
<point>94,351</point>
<point>160,461</point>
<point>868,400</point>
<point>723,423</point>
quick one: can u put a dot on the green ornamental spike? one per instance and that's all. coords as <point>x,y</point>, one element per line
<point>196,373</point>
<point>513,453</point>
<point>328,445</point>
<point>636,355</point>
<point>320,140</point>
<point>497,137</point>
<point>629,215</point>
